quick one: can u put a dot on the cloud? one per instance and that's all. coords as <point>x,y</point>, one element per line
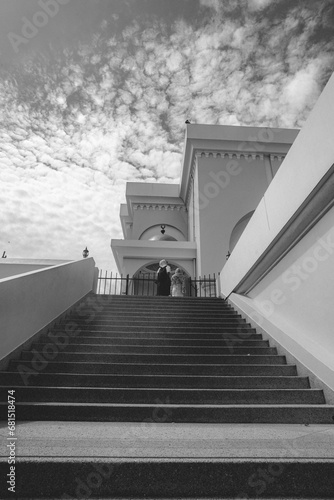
<point>213,4</point>
<point>255,5</point>
<point>80,122</point>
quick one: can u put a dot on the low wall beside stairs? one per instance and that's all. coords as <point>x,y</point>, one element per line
<point>30,301</point>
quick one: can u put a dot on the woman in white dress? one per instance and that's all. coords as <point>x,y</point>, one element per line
<point>177,285</point>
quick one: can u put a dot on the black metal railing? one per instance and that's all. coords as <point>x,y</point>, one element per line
<point>203,287</point>
<point>145,284</point>
<point>112,284</point>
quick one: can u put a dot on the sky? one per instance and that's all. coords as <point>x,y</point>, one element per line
<point>95,93</point>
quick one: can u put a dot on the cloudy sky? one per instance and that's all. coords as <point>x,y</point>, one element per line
<point>95,93</point>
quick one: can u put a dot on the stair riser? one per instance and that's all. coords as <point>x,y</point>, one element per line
<point>150,299</point>
<point>130,333</point>
<point>157,323</point>
<point>89,478</point>
<point>157,311</point>
<point>159,303</point>
<point>173,342</point>
<point>170,396</point>
<point>166,315</point>
<point>291,414</point>
<point>151,369</point>
<point>162,381</point>
<point>116,349</point>
<point>153,358</point>
<point>160,329</point>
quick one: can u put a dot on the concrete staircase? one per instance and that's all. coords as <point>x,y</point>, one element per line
<point>164,364</point>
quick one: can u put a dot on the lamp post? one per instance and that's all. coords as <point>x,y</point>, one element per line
<point>85,253</point>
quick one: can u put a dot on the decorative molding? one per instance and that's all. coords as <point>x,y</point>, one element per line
<point>277,157</point>
<point>231,155</point>
<point>191,180</point>
<point>158,206</point>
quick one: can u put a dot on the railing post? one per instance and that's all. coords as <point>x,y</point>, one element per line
<point>100,280</point>
<point>127,285</point>
<point>105,283</point>
<point>218,286</point>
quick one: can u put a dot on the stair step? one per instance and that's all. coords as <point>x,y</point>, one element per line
<point>28,369</point>
<point>156,358</point>
<point>163,349</point>
<point>139,313</point>
<point>135,359</point>
<point>157,308</point>
<point>154,323</point>
<point>160,341</point>
<point>101,298</point>
<point>156,380</point>
<point>169,395</point>
<point>229,334</point>
<point>94,412</point>
<point>173,478</point>
<point>164,328</point>
<point>93,458</point>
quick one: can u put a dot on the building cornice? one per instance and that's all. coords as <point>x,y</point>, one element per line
<point>159,206</point>
<point>228,154</point>
<point>231,155</point>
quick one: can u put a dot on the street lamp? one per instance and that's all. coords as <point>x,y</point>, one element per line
<point>85,253</point>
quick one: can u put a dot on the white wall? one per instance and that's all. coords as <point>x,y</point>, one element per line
<point>30,301</point>
<point>146,218</point>
<point>228,189</point>
<point>307,162</point>
<point>297,298</point>
<point>294,295</point>
<point>12,267</point>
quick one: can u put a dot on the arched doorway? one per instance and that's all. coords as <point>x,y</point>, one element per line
<point>144,280</point>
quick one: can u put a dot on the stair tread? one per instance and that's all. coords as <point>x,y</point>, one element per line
<point>293,377</point>
<point>162,389</point>
<point>176,405</point>
<point>172,440</point>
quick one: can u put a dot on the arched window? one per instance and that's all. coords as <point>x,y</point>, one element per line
<point>162,237</point>
<point>154,233</point>
<point>239,229</point>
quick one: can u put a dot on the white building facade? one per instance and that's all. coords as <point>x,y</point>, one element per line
<point>195,224</point>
